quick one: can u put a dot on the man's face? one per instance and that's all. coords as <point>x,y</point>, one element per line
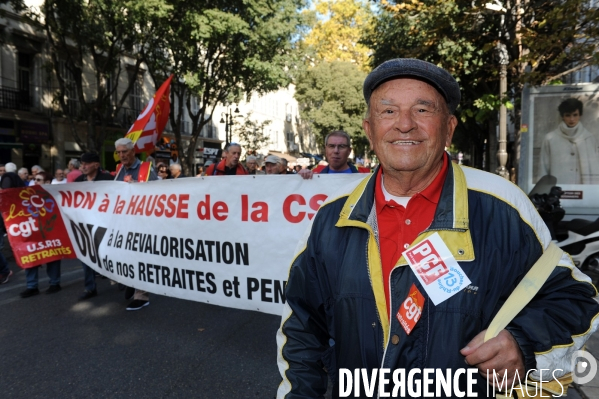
<point>409,126</point>
<point>175,172</point>
<point>89,168</point>
<point>272,168</point>
<point>59,174</point>
<point>251,165</point>
<point>571,119</point>
<point>2,170</point>
<point>232,156</point>
<point>35,171</point>
<point>24,175</point>
<point>337,152</point>
<point>127,157</point>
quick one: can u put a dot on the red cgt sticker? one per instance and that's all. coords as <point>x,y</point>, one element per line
<point>410,310</point>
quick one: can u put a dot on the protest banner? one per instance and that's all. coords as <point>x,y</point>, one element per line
<point>225,240</point>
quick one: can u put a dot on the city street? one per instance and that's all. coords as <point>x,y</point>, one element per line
<point>56,347</point>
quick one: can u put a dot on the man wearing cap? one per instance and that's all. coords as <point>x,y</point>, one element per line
<point>337,149</point>
<point>132,170</point>
<point>272,164</point>
<point>408,267</point>
<point>230,165</point>
<point>90,171</point>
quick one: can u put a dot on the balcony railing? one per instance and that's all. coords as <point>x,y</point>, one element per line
<point>14,99</point>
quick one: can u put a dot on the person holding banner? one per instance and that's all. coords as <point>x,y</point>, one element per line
<point>230,165</point>
<point>52,268</point>
<point>337,148</point>
<point>409,269</point>
<point>90,171</point>
<point>132,170</point>
<point>273,165</point>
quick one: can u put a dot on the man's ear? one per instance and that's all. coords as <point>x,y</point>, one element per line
<point>452,123</point>
<point>366,127</point>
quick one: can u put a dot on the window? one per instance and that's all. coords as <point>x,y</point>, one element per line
<point>71,97</point>
<point>135,97</point>
<point>24,72</point>
<point>290,138</point>
<point>24,80</point>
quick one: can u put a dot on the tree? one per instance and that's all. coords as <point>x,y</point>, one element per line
<point>544,40</point>
<point>330,98</point>
<point>337,28</point>
<point>95,37</point>
<point>220,51</point>
<point>251,134</point>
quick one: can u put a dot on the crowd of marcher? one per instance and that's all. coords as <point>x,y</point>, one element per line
<point>131,169</point>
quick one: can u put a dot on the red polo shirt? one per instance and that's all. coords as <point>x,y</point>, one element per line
<point>399,226</point>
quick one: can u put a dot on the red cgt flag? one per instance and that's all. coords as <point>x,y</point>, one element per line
<point>148,127</point>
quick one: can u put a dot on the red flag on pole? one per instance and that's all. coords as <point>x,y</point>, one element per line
<point>148,127</point>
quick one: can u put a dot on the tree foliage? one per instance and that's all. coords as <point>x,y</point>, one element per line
<point>337,28</point>
<point>95,36</point>
<point>220,51</point>
<point>330,98</point>
<point>543,39</point>
<point>251,134</point>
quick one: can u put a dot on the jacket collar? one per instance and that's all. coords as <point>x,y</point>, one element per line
<point>450,220</point>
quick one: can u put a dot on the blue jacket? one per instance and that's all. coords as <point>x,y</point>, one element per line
<point>336,314</point>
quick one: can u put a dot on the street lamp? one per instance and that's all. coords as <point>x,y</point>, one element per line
<point>227,119</point>
<point>504,60</point>
<point>502,150</point>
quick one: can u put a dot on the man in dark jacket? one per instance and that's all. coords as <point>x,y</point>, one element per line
<point>90,171</point>
<point>406,270</point>
<point>10,179</point>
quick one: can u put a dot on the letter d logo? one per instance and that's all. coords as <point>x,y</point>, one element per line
<point>584,367</point>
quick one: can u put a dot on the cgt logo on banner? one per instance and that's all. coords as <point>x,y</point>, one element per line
<point>34,226</point>
<point>225,240</point>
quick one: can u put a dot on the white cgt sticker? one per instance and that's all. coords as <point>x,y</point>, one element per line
<point>436,268</point>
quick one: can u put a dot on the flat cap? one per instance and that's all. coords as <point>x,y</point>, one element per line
<point>90,157</point>
<point>439,78</point>
<point>272,159</point>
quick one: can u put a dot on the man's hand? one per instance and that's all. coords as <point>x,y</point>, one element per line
<point>305,173</point>
<point>501,354</point>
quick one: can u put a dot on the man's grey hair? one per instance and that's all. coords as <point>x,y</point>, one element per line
<point>251,158</point>
<point>338,133</point>
<point>75,163</point>
<point>176,166</point>
<point>10,167</point>
<point>39,168</point>
<point>232,145</point>
<point>127,143</point>
<point>23,170</point>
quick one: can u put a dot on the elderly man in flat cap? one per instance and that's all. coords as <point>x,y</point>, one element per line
<point>407,270</point>
<point>272,165</point>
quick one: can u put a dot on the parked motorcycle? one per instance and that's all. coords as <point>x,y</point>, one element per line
<point>578,237</point>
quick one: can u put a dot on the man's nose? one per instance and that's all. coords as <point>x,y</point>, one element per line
<point>405,121</point>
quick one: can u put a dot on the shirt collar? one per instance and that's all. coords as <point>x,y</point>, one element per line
<point>136,163</point>
<point>431,193</point>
